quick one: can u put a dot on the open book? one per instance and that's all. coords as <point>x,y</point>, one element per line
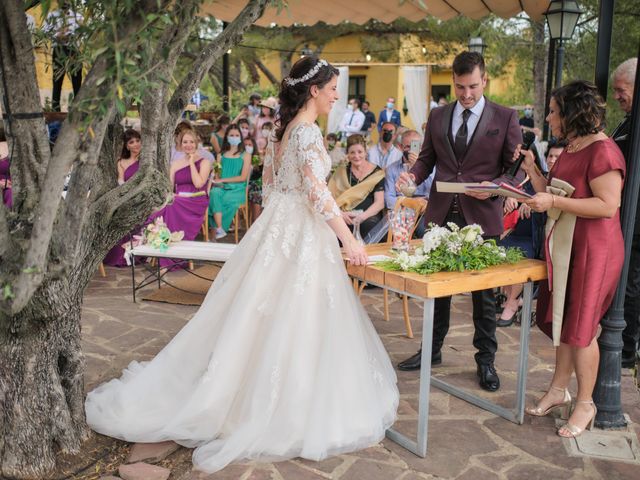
<point>504,189</point>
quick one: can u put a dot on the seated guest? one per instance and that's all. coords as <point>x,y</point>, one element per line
<point>189,175</point>
<point>127,165</point>
<point>261,142</point>
<point>216,137</point>
<point>527,235</point>
<point>358,187</point>
<point>245,128</point>
<point>336,152</point>
<point>230,189</point>
<point>553,152</point>
<point>393,171</point>
<point>262,131</point>
<point>5,180</point>
<point>176,151</point>
<point>255,180</point>
<point>384,153</point>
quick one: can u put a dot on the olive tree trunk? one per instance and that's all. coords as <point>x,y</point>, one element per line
<point>49,248</point>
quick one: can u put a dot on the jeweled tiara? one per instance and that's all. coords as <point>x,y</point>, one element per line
<point>310,74</point>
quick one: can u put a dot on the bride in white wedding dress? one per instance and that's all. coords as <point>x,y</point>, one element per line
<point>281,360</point>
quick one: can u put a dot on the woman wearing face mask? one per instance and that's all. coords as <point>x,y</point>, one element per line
<point>255,180</point>
<point>245,128</point>
<point>267,116</point>
<point>229,191</point>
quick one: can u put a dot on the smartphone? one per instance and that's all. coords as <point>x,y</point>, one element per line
<point>415,146</point>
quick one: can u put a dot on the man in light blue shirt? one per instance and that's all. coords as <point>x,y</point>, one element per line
<point>394,170</point>
<point>384,153</point>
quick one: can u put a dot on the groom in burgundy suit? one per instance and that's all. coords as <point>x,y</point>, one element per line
<point>470,140</point>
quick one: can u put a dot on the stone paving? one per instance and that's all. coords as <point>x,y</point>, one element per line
<point>465,442</point>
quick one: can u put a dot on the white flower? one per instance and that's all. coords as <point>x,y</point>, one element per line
<point>434,237</point>
<point>471,232</point>
<point>453,227</point>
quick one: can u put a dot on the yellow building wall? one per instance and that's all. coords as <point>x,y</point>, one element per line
<point>44,71</point>
<point>387,81</point>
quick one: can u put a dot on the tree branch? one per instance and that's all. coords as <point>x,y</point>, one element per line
<point>263,68</point>
<point>214,50</point>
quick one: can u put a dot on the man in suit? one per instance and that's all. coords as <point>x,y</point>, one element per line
<point>470,140</point>
<point>624,78</point>
<point>389,114</point>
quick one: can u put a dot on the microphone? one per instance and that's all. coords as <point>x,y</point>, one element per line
<point>528,138</point>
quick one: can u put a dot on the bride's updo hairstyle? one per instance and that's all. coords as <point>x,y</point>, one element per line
<point>295,89</point>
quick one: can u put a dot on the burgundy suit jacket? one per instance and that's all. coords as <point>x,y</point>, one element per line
<point>488,157</point>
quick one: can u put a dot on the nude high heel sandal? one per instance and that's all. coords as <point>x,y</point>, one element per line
<point>564,407</point>
<point>569,430</point>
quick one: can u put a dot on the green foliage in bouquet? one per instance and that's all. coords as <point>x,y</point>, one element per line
<point>452,249</point>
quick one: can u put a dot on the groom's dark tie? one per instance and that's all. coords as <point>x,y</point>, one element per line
<point>460,142</point>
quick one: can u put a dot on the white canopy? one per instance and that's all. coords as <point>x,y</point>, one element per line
<point>310,12</point>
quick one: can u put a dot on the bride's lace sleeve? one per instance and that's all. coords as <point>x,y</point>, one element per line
<point>267,173</point>
<point>311,150</point>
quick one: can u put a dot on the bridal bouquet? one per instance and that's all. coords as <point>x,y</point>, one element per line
<point>157,235</point>
<point>452,249</point>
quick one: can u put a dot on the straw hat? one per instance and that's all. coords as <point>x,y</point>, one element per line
<point>270,102</point>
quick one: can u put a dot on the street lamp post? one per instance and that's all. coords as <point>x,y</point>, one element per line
<point>476,44</point>
<point>306,51</point>
<point>562,17</point>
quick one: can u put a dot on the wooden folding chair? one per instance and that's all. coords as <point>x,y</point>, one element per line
<point>418,205</point>
<point>205,226</point>
<point>245,213</point>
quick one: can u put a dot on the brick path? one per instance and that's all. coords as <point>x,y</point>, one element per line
<point>464,441</point>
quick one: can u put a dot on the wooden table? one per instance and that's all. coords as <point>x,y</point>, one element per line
<point>442,284</point>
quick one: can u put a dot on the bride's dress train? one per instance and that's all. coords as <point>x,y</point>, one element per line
<point>281,360</point>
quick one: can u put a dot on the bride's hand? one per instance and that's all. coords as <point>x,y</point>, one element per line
<point>356,253</point>
<point>346,216</point>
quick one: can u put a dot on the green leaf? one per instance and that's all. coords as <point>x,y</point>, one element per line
<point>7,292</point>
<point>120,106</point>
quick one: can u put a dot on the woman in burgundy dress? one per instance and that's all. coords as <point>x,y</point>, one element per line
<point>127,166</point>
<point>189,175</point>
<point>594,166</point>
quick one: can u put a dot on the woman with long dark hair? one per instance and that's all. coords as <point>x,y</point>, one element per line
<point>127,165</point>
<point>281,360</point>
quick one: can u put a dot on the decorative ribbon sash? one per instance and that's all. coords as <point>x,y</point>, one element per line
<point>348,197</point>
<point>558,241</point>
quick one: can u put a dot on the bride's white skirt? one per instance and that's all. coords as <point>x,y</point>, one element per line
<point>280,361</point>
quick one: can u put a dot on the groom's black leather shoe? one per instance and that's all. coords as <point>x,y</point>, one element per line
<point>413,363</point>
<point>489,379</point>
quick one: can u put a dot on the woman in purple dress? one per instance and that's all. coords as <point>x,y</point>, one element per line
<point>189,174</point>
<point>127,166</point>
<point>5,182</point>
